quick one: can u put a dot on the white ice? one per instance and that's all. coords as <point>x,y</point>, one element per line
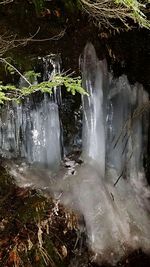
<point>109,189</point>
<point>116,213</point>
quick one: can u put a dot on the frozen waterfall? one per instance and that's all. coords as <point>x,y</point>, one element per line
<point>109,189</point>
<point>112,191</point>
<point>93,117</point>
<point>32,131</point>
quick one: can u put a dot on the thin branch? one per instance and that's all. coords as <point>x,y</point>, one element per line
<point>31,39</point>
<point>3,60</point>
<point>54,38</point>
<point>9,42</point>
<point>6,2</point>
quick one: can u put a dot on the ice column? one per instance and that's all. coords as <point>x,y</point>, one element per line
<point>93,120</point>
<point>111,188</point>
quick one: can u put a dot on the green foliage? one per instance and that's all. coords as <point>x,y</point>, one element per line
<point>10,92</point>
<point>3,96</point>
<point>31,76</point>
<point>72,85</point>
<point>137,9</point>
<point>105,12</point>
<point>10,69</point>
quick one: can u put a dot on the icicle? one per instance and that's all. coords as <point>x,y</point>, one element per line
<point>33,131</point>
<point>52,65</point>
<point>118,116</point>
<point>93,120</point>
<point>114,202</point>
<point>46,135</point>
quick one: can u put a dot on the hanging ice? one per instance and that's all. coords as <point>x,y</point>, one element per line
<point>119,110</point>
<point>93,120</point>
<point>32,131</point>
<point>116,213</point>
<point>109,189</point>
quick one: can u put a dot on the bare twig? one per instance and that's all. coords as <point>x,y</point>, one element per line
<point>6,2</point>
<point>8,42</point>
<point>32,39</point>
<point>3,60</point>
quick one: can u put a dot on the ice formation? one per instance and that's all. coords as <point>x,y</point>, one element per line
<point>32,131</point>
<point>109,189</point>
<point>113,194</point>
<point>93,121</point>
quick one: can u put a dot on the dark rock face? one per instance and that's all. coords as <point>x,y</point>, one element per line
<point>127,52</point>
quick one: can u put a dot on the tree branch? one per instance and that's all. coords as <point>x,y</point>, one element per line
<point>3,60</point>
